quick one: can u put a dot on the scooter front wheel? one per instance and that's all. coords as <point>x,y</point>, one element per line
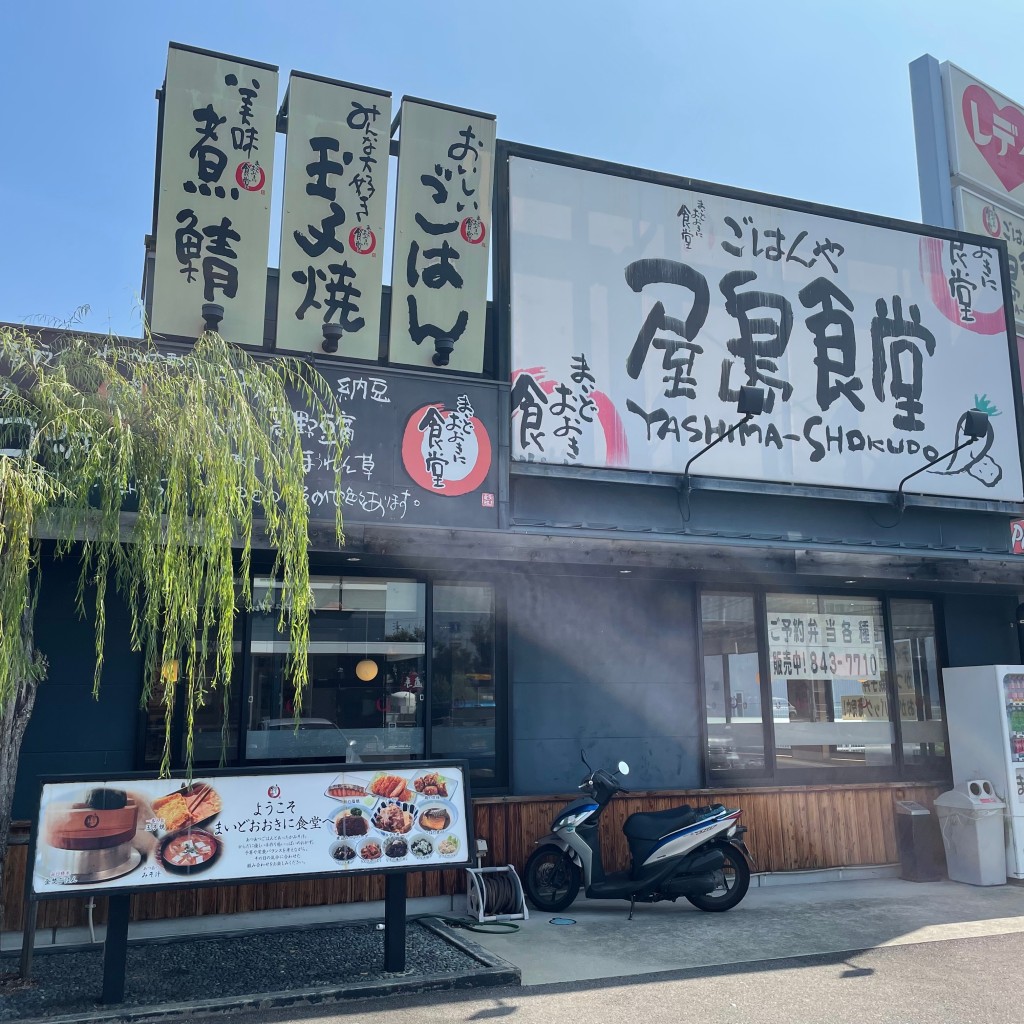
<point>552,879</point>
<point>734,880</point>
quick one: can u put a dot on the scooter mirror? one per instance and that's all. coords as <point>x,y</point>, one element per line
<point>623,768</point>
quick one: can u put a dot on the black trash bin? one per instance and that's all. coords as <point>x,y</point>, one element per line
<point>922,858</point>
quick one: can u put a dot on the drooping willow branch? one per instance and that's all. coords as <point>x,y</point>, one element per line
<point>158,469</point>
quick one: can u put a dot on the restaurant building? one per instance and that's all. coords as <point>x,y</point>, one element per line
<point>650,501</point>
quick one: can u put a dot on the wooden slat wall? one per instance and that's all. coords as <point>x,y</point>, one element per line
<point>790,830</point>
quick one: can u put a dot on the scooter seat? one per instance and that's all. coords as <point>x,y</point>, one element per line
<point>655,824</point>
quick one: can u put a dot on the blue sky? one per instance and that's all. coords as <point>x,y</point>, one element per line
<point>804,99</point>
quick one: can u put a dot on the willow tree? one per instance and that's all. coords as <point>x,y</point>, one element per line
<point>157,471</point>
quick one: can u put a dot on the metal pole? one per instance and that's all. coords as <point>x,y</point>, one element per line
<point>115,948</point>
<point>28,938</point>
<point>394,921</point>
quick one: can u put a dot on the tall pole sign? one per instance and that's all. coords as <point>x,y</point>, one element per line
<point>216,158</point>
<point>332,229</point>
<point>970,152</point>
<point>442,237</point>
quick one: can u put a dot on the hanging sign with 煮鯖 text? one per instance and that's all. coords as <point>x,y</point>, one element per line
<point>218,120</point>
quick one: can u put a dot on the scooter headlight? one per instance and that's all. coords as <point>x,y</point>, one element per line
<point>572,820</point>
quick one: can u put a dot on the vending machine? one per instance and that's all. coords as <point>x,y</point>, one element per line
<point>985,717</point>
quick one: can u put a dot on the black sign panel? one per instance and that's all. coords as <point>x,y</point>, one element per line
<point>421,450</point>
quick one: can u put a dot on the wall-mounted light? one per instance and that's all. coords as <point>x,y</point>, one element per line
<point>975,426</point>
<point>332,335</point>
<point>443,348</point>
<point>750,404</point>
<point>366,670</point>
<point>213,313</point>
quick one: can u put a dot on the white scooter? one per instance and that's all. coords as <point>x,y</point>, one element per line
<point>698,854</point>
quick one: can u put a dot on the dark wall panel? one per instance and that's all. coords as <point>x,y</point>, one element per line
<point>981,630</point>
<point>605,664</point>
<point>69,731</point>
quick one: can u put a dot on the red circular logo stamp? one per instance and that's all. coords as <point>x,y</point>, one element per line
<point>274,792</point>
<point>990,219</point>
<point>446,451</point>
<point>362,240</point>
<point>473,230</point>
<point>250,176</point>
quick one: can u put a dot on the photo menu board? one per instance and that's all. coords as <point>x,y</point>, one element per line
<point>132,834</point>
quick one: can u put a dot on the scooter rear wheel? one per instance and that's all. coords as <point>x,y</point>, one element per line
<point>552,879</point>
<point>733,884</point>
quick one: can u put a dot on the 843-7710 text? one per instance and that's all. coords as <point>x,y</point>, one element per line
<point>812,664</point>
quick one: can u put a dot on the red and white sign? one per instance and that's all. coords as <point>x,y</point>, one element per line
<point>446,451</point>
<point>986,135</point>
<point>1017,536</point>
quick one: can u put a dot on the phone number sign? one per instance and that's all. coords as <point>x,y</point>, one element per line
<point>822,646</point>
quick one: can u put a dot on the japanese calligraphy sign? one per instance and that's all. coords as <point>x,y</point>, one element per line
<point>442,237</point>
<point>986,135</point>
<point>142,833</point>
<point>984,217</point>
<point>332,228</point>
<point>822,646</point>
<point>218,123</point>
<point>640,307</point>
<point>418,453</point>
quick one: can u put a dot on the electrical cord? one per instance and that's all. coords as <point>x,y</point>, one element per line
<point>469,924</point>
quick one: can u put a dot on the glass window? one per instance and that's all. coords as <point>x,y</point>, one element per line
<point>463,699</point>
<point>367,664</point>
<point>732,681</point>
<point>917,680</point>
<point>214,733</point>
<point>829,681</point>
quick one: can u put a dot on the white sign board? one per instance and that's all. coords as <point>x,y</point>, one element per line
<point>984,217</point>
<point>332,227</point>
<point>822,646</point>
<point>152,833</point>
<point>219,117</point>
<point>442,237</point>
<point>639,309</point>
<point>986,135</point>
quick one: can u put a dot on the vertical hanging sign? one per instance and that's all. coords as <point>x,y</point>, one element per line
<point>332,229</point>
<point>216,146</point>
<point>442,236</point>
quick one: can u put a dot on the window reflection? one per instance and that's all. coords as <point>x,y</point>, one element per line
<point>732,682</point>
<point>917,681</point>
<point>829,681</point>
<point>463,701</point>
<point>367,662</point>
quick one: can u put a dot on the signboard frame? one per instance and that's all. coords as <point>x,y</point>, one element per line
<point>249,279</point>
<point>380,867</point>
<point>502,295</point>
<point>369,345</point>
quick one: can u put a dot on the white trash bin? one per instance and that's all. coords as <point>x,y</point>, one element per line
<point>971,822</point>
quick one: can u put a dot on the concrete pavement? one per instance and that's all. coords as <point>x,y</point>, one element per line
<point>956,981</point>
<point>772,922</point>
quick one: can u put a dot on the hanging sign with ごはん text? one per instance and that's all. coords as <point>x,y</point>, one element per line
<point>218,120</point>
<point>442,237</point>
<point>332,229</point>
<point>640,307</point>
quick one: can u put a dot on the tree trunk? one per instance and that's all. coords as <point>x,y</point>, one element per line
<point>14,718</point>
